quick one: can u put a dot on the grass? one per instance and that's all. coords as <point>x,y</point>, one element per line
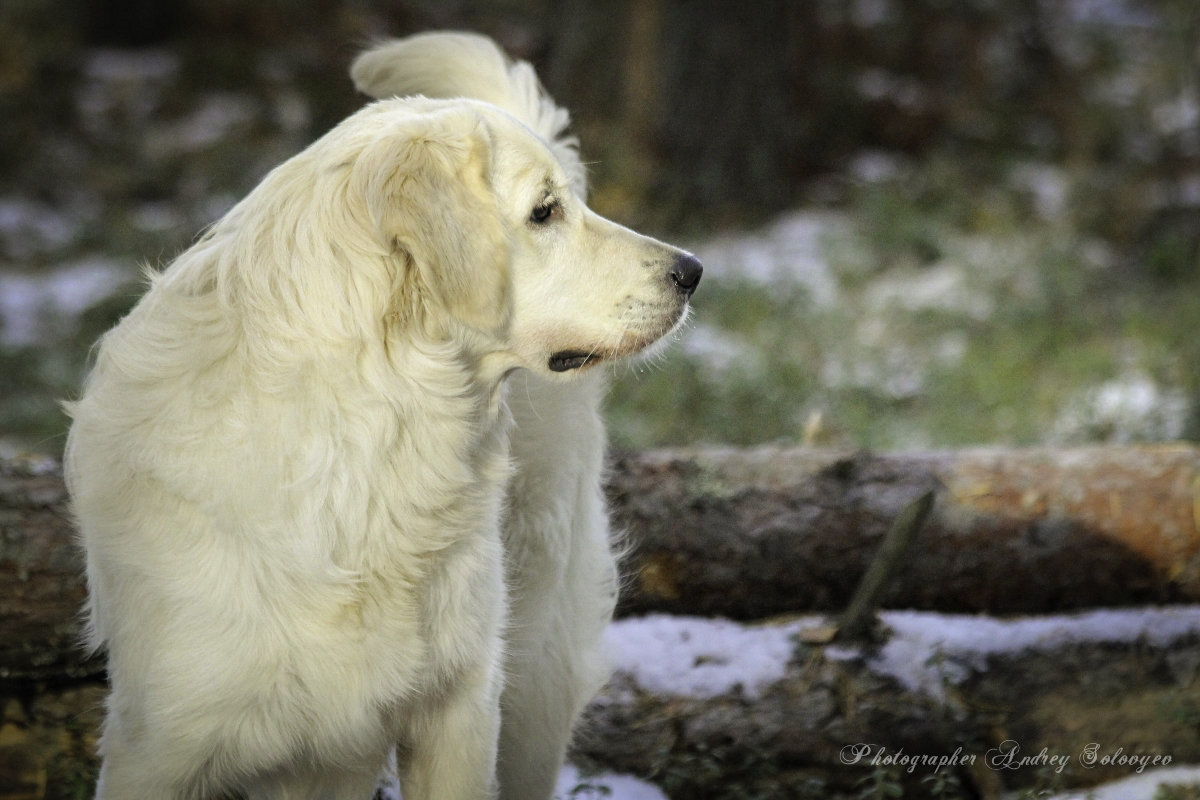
<point>965,308</point>
<point>979,297</point>
<point>1017,319</point>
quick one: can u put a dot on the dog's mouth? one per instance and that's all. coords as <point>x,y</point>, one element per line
<point>631,342</point>
<point>567,360</point>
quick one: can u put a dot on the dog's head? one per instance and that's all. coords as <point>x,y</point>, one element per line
<point>486,235</point>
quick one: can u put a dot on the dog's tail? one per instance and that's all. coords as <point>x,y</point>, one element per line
<point>451,64</point>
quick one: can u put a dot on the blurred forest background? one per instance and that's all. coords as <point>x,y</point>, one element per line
<point>925,223</point>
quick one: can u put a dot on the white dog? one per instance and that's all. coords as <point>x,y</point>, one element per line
<point>337,474</point>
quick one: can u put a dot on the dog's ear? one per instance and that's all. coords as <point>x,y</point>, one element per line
<point>427,186</point>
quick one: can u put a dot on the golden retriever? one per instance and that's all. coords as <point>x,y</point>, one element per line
<point>337,473</point>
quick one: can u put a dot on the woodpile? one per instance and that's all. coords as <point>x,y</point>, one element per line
<point>768,538</point>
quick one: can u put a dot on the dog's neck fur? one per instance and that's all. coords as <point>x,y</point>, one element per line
<point>429,397</point>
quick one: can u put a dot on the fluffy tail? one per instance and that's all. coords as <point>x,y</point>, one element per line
<point>448,65</point>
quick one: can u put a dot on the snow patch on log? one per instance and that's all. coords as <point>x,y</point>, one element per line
<point>1136,787</point>
<point>702,658</point>
<point>927,650</point>
<point>571,785</point>
<point>695,657</point>
<point>606,786</point>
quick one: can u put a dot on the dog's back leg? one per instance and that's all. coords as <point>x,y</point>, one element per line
<point>449,752</point>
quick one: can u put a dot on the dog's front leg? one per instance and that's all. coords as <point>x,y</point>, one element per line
<point>452,742</point>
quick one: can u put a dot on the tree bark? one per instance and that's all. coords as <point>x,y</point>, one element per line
<point>753,533</point>
<point>41,575</point>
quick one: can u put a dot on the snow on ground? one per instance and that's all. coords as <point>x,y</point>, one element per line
<point>721,351</point>
<point>30,304</point>
<point>571,785</point>
<point>28,227</point>
<point>940,287</point>
<point>217,116</point>
<point>1136,787</point>
<point>122,89</point>
<point>791,249</point>
<point>1131,407</point>
<point>889,330</point>
<point>607,786</point>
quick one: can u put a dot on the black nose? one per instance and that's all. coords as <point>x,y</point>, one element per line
<point>685,273</point>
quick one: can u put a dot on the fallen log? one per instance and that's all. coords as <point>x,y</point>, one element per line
<point>752,533</point>
<point>711,709</point>
<point>41,575</point>
<point>716,710</point>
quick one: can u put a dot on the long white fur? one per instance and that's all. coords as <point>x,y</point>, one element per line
<point>332,496</point>
<point>562,585</point>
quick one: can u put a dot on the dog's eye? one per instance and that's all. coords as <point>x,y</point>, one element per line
<point>545,211</point>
